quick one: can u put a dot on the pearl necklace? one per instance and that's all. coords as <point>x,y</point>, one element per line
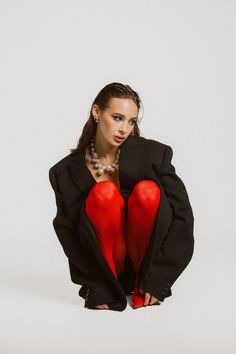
<point>96,162</point>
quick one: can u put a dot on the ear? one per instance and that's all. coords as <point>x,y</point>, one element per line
<point>95,110</point>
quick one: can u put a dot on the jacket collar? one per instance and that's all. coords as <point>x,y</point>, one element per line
<point>82,176</point>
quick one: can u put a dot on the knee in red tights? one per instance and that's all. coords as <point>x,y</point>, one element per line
<point>102,194</point>
<point>146,193</point>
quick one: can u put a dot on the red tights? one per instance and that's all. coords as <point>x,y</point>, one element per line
<point>105,207</point>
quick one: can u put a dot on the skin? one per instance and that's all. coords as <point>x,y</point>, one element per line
<point>110,123</point>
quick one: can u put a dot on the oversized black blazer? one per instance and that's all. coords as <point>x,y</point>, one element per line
<point>172,241</point>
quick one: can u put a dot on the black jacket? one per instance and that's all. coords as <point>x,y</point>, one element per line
<point>172,242</point>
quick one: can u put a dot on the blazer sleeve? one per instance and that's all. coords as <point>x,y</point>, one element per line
<point>63,225</point>
<point>177,247</point>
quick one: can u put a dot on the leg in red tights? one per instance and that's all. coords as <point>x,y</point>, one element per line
<point>143,205</point>
<point>105,208</point>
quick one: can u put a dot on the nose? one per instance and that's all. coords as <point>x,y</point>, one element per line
<point>123,129</point>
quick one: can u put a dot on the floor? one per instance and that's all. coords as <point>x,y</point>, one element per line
<point>42,313</point>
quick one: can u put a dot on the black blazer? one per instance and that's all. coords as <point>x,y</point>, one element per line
<point>172,242</point>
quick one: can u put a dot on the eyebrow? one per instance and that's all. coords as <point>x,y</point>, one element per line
<point>122,115</point>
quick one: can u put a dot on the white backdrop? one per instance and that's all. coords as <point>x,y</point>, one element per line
<point>55,56</point>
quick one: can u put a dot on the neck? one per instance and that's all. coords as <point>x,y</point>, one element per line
<point>105,150</point>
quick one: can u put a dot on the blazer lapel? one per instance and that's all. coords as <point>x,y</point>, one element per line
<point>79,172</point>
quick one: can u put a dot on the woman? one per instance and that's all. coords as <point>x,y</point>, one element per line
<point>123,218</point>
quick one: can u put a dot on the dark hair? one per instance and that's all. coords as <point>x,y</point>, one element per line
<point>114,89</point>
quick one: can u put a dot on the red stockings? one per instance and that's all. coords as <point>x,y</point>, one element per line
<point>105,207</point>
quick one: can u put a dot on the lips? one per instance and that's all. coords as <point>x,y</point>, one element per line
<point>119,137</point>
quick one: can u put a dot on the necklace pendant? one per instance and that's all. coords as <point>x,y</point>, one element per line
<point>100,171</point>
<point>97,165</point>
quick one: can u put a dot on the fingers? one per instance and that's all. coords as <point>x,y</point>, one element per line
<point>153,301</point>
<point>105,306</point>
<point>147,298</point>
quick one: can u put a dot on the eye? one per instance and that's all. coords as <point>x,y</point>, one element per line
<point>132,122</point>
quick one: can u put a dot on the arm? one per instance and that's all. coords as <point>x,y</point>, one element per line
<point>79,257</point>
<point>177,248</point>
<point>63,225</point>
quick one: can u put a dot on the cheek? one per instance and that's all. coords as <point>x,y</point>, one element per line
<point>107,125</point>
<point>131,127</point>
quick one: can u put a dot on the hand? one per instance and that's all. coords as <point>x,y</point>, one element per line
<point>104,306</point>
<point>149,299</point>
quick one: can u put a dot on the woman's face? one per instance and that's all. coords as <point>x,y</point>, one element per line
<point>117,120</point>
